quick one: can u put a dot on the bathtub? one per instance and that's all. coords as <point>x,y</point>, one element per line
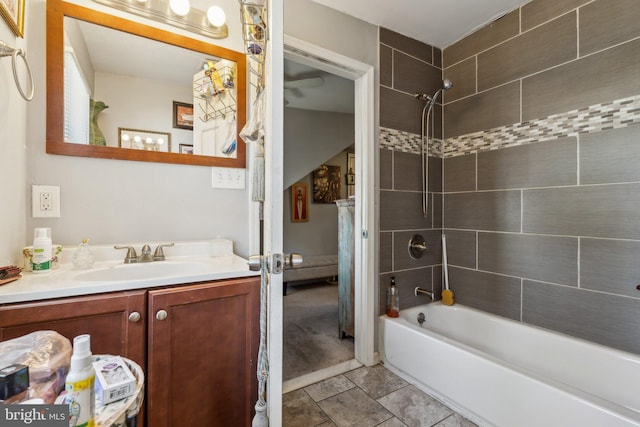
<point>498,372</point>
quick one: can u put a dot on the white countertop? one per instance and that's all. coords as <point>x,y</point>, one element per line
<point>65,281</point>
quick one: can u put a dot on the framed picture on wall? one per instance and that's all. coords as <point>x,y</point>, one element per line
<point>13,13</point>
<point>182,115</point>
<point>300,202</point>
<point>326,184</point>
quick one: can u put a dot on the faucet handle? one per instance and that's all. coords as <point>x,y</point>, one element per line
<point>158,255</point>
<point>131,257</point>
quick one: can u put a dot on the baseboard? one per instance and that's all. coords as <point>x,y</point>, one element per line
<point>317,376</point>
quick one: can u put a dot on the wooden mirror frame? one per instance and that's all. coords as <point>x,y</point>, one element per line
<point>56,11</point>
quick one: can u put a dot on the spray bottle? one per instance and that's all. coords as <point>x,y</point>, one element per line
<point>80,384</point>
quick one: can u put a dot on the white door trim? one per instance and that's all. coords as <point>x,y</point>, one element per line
<point>365,243</point>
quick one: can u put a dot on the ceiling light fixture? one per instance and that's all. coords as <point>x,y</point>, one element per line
<point>177,13</point>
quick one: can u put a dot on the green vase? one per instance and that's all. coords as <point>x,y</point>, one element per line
<point>95,134</point>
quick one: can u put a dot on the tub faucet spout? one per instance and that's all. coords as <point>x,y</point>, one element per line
<point>420,291</point>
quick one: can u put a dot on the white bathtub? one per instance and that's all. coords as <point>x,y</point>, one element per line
<point>498,372</point>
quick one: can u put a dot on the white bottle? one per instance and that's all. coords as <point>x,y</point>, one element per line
<point>80,384</point>
<point>42,250</point>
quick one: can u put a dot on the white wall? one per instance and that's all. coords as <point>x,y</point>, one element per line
<point>114,201</point>
<point>318,236</point>
<point>13,113</point>
<point>311,138</point>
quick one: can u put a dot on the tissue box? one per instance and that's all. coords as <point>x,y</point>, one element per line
<point>114,380</point>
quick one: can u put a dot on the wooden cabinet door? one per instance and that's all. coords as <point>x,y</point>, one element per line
<point>203,354</point>
<point>105,317</point>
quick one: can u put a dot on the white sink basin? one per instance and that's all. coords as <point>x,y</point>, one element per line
<point>143,271</point>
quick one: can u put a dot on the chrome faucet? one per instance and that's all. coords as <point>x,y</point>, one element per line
<point>419,291</point>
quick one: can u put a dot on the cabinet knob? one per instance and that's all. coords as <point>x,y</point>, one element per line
<point>161,315</point>
<point>135,317</point>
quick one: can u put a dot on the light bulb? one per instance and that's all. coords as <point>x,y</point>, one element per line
<point>180,7</point>
<point>125,137</point>
<point>216,16</point>
<point>137,139</point>
<point>148,140</point>
<point>160,141</point>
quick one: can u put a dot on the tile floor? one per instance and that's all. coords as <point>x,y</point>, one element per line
<point>366,397</point>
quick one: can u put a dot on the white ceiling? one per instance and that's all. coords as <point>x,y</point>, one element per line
<point>438,23</point>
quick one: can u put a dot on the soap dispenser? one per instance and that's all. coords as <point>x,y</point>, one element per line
<point>393,299</point>
<point>83,258</point>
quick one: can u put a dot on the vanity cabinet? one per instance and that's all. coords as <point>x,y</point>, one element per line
<point>203,350</point>
<point>106,317</point>
<point>197,343</point>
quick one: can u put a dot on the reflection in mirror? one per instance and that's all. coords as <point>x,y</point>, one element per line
<point>115,76</point>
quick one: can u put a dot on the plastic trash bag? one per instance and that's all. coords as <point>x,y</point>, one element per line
<point>48,356</point>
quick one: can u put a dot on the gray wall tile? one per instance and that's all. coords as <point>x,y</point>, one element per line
<point>432,256</point>
<point>485,291</point>
<point>402,210</point>
<point>539,11</point>
<point>460,173</point>
<point>406,44</point>
<point>535,50</point>
<point>546,258</point>
<point>491,210</point>
<point>386,169</point>
<point>436,203</point>
<point>486,110</point>
<point>437,279</point>
<point>386,66</point>
<point>542,164</point>
<point>496,32</point>
<point>610,156</point>
<point>400,111</point>
<point>407,171</point>
<point>595,211</point>
<point>435,173</point>
<point>610,266</point>
<point>437,57</point>
<point>463,76</point>
<point>461,248</point>
<point>606,319</point>
<point>414,76</point>
<point>386,252</point>
<point>604,76</point>
<point>607,23</point>
<point>406,282</point>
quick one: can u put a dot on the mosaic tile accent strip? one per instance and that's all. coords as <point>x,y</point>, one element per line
<point>407,142</point>
<point>596,118</point>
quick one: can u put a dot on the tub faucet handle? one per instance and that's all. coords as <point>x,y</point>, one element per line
<point>131,257</point>
<point>158,254</point>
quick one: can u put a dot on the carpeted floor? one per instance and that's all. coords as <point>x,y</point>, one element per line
<point>311,339</point>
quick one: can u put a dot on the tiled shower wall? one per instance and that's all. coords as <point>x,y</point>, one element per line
<point>407,67</point>
<point>541,173</point>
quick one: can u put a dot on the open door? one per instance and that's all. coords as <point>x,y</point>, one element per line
<point>273,215</point>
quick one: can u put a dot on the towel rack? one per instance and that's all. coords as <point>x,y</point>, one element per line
<point>6,50</point>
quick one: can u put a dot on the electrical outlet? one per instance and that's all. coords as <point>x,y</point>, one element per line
<point>45,201</point>
<point>231,178</point>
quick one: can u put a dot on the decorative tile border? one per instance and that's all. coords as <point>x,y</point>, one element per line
<point>596,118</point>
<point>407,142</point>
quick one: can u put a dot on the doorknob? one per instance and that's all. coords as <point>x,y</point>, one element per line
<point>275,262</point>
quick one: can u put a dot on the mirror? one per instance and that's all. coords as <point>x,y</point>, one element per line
<point>185,98</point>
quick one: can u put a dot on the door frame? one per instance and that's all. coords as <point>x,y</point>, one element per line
<point>362,74</point>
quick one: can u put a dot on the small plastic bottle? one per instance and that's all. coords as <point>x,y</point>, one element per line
<point>393,299</point>
<point>42,250</point>
<point>80,384</point>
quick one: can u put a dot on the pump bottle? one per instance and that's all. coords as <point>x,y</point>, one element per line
<point>41,250</point>
<point>393,299</point>
<point>80,384</point>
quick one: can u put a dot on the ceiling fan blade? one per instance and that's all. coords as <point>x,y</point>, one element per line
<point>304,83</point>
